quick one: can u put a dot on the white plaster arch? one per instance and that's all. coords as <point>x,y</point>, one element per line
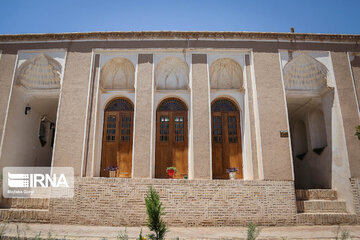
<point>117,73</point>
<point>40,72</point>
<point>172,73</point>
<point>304,72</point>
<point>226,73</point>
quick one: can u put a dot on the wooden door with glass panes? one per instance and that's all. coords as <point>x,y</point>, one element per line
<point>226,139</point>
<point>171,138</point>
<point>118,138</point>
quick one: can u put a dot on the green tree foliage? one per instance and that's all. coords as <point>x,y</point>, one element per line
<point>155,211</point>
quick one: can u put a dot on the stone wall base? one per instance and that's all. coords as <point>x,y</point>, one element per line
<point>355,188</point>
<point>189,203</point>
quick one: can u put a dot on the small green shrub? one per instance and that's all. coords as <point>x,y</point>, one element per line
<point>141,237</point>
<point>155,211</point>
<point>38,236</point>
<point>342,234</point>
<point>122,235</point>
<point>253,231</point>
<point>2,230</point>
<point>357,133</point>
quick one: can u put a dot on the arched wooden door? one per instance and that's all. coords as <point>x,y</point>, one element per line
<point>226,140</point>
<point>118,137</point>
<point>171,138</point>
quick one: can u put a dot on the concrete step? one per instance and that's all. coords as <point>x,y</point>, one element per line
<point>319,206</point>
<point>316,194</point>
<point>25,203</point>
<point>325,218</point>
<point>25,215</point>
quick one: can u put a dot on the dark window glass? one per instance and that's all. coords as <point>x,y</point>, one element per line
<point>232,129</point>
<point>172,104</point>
<point>217,129</point>
<point>111,128</point>
<point>223,105</point>
<point>120,105</point>
<point>164,126</point>
<point>179,128</point>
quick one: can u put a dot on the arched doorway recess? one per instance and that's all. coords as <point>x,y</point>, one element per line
<point>171,138</point>
<point>118,137</point>
<point>226,140</point>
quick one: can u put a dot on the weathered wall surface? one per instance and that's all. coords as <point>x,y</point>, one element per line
<point>120,202</point>
<point>355,67</point>
<point>348,107</point>
<point>272,114</point>
<point>142,131</point>
<point>72,110</point>
<point>200,117</point>
<point>7,64</point>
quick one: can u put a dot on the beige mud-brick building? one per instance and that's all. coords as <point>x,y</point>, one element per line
<point>280,107</point>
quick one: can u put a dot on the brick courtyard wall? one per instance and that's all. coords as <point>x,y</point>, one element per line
<point>120,202</point>
<point>355,187</point>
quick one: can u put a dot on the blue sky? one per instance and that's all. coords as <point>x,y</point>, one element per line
<point>51,16</point>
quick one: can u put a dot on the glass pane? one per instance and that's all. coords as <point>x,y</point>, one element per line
<point>164,125</point>
<point>217,129</point>
<point>110,128</point>
<point>172,104</point>
<point>232,129</point>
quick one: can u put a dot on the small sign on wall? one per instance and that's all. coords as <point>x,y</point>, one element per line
<point>284,133</point>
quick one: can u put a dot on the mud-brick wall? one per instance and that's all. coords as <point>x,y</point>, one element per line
<point>120,202</point>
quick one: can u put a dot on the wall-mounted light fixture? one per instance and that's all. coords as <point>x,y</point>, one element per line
<point>27,109</point>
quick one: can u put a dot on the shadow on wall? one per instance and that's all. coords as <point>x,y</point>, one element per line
<point>311,136</point>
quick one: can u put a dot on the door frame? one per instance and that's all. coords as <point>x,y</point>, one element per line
<point>155,123</point>
<point>240,130</point>
<point>102,130</point>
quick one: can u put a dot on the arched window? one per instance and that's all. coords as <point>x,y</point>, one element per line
<point>226,139</point>
<point>171,138</point>
<point>117,138</point>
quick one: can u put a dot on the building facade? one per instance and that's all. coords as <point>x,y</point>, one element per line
<point>281,108</point>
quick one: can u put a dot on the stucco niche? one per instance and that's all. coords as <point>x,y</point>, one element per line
<point>172,73</point>
<point>118,73</point>
<point>39,72</point>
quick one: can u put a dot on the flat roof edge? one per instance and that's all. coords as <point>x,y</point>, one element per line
<point>151,35</point>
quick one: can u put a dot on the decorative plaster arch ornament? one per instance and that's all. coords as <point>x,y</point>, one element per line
<point>118,73</point>
<point>172,73</point>
<point>305,73</point>
<point>40,72</point>
<point>226,73</point>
